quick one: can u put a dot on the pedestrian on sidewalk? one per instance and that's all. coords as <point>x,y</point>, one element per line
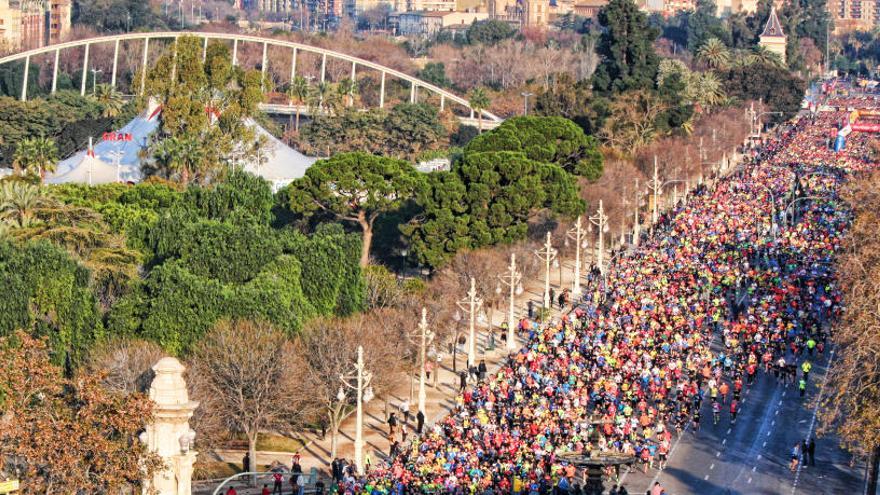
<point>246,463</point>
<point>404,410</point>
<point>462,380</point>
<point>531,310</point>
<point>482,370</point>
<point>278,485</point>
<point>392,424</point>
<point>811,451</point>
<point>420,422</point>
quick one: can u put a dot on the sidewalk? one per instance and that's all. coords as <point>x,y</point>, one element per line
<point>440,400</point>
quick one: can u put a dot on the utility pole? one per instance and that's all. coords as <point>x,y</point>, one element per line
<point>512,279</point>
<point>600,220</point>
<point>579,236</point>
<point>423,338</point>
<point>546,254</point>
<point>655,186</point>
<point>636,226</point>
<point>95,73</point>
<point>471,305</point>
<point>359,381</point>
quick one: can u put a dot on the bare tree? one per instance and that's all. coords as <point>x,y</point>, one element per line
<point>247,375</point>
<point>329,349</point>
<point>126,363</point>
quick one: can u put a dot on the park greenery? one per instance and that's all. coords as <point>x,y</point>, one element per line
<point>208,264</point>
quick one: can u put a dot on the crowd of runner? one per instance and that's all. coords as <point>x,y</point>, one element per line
<point>733,281</point>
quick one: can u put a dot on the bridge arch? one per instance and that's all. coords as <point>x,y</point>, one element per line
<point>491,120</point>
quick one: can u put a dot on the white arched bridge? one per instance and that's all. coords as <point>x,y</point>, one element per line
<point>470,117</point>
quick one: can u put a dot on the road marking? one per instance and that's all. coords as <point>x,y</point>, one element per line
<point>718,454</point>
<point>754,468</point>
<point>750,481</point>
<point>712,466</point>
<point>776,413</point>
<point>783,393</point>
<point>669,457</point>
<point>773,423</point>
<point>706,478</point>
<point>728,430</point>
<point>797,474</point>
<point>768,433</point>
<point>759,457</point>
<point>765,444</point>
<point>724,441</point>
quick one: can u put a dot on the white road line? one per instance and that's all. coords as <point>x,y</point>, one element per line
<point>783,393</point>
<point>724,441</point>
<point>669,457</point>
<point>765,444</point>
<point>776,413</point>
<point>728,430</point>
<point>797,474</point>
<point>750,481</point>
<point>754,468</point>
<point>718,454</point>
<point>759,457</point>
<point>768,433</point>
<point>773,423</point>
<point>712,466</point>
<point>706,478</point>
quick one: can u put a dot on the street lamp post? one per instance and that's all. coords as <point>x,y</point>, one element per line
<point>636,226</point>
<point>512,279</point>
<point>579,236</point>
<point>525,95</point>
<point>655,186</point>
<point>600,220</point>
<point>358,380</point>
<point>423,337</point>
<point>546,254</point>
<point>471,305</point>
<point>95,73</point>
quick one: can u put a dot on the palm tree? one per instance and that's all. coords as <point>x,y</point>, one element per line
<point>349,89</point>
<point>479,101</point>
<point>182,156</point>
<point>741,59</point>
<point>324,93</point>
<point>714,53</point>
<point>18,204</point>
<point>298,92</point>
<point>761,55</point>
<point>110,99</point>
<point>708,90</point>
<point>36,155</point>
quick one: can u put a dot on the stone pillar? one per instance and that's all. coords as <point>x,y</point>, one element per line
<point>169,435</point>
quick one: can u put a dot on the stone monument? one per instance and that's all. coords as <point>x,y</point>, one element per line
<point>169,435</point>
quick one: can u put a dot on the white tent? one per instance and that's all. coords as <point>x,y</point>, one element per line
<point>276,162</point>
<point>90,170</point>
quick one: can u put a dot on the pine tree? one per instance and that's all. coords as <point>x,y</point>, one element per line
<point>626,47</point>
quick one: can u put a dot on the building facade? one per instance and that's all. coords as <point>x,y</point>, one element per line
<point>25,25</point>
<point>853,15</point>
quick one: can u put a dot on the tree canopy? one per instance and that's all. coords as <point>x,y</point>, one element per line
<point>487,199</point>
<point>626,48</point>
<point>355,187</point>
<point>555,140</point>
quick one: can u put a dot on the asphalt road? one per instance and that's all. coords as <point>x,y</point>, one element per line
<point>752,456</point>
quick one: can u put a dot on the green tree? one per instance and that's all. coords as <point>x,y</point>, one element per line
<point>110,99</point>
<point>486,199</point>
<point>435,73</point>
<point>37,156</point>
<point>355,187</point>
<point>704,24</point>
<point>478,99</point>
<point>204,140</point>
<point>776,86</point>
<point>298,93</point>
<point>626,48</point>
<point>48,293</point>
<point>714,54</point>
<point>489,32</point>
<point>545,139</point>
<point>572,100</point>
